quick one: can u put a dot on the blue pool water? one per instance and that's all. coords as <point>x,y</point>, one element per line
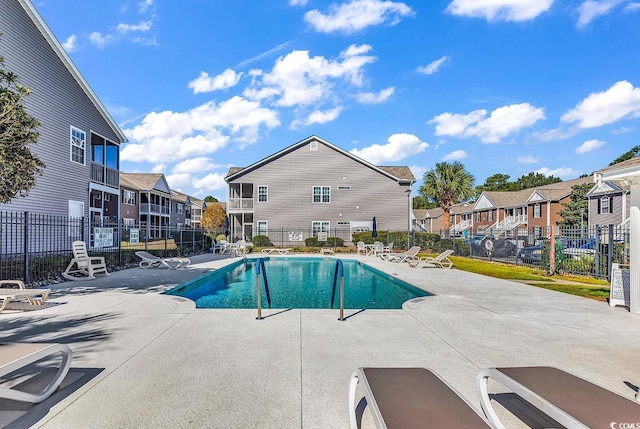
<point>298,283</point>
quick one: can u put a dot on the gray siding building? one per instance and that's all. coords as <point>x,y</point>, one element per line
<point>79,141</point>
<point>314,186</point>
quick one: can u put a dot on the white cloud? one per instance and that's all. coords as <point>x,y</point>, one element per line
<point>143,26</point>
<point>98,39</point>
<point>298,2</point>
<point>589,146</point>
<point>159,168</point>
<point>318,117</point>
<point>620,101</point>
<point>266,54</point>
<point>398,147</point>
<point>298,79</point>
<point>178,181</point>
<point>502,122</point>
<point>529,159</point>
<point>591,9</point>
<point>373,98</point>
<point>355,15</point>
<point>562,172</point>
<point>166,136</point>
<point>632,7</point>
<point>418,171</point>
<point>144,5</point>
<point>455,155</point>
<point>433,66</point>
<point>210,182</point>
<point>204,83</point>
<point>69,45</point>
<point>194,165</point>
<point>500,10</point>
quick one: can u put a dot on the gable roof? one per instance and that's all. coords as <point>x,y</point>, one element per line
<point>68,63</point>
<point>398,173</point>
<point>179,196</point>
<point>146,181</point>
<point>556,191</point>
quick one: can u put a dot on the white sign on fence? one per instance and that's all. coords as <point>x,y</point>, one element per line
<point>295,236</point>
<point>322,236</point>
<point>620,286</point>
<point>134,236</point>
<point>103,237</point>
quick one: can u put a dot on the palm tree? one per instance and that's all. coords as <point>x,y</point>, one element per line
<point>447,184</point>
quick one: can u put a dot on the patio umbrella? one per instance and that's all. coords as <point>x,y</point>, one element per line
<point>374,231</point>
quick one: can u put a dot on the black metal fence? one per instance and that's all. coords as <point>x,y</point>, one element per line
<point>585,250</point>
<point>36,247</point>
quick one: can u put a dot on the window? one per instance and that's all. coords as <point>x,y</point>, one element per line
<point>605,205</point>
<point>76,215</point>
<point>262,227</point>
<point>490,215</point>
<point>313,145</point>
<point>263,194</point>
<point>536,210</point>
<point>128,197</point>
<point>128,222</point>
<point>320,226</point>
<point>321,194</point>
<point>537,232</point>
<point>179,208</point>
<point>478,216</point>
<point>344,188</point>
<point>78,145</point>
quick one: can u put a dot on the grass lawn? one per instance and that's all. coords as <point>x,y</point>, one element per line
<point>582,286</point>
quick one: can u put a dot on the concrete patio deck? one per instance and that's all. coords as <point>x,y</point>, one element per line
<point>146,360</point>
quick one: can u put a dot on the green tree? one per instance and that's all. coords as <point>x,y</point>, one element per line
<point>420,202</point>
<point>577,207</point>
<point>497,182</point>
<point>447,184</point>
<point>534,180</point>
<point>633,152</point>
<point>210,199</point>
<point>18,166</point>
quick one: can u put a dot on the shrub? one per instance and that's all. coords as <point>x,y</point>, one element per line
<point>261,241</point>
<point>331,242</point>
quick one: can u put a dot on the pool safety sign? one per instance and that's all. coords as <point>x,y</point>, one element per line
<point>620,286</point>
<point>103,237</point>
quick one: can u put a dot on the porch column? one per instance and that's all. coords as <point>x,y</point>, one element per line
<point>634,251</point>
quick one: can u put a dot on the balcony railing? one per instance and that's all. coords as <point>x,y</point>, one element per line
<point>146,208</point>
<point>105,175</point>
<point>240,204</point>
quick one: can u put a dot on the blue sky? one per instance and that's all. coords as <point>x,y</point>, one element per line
<point>504,86</point>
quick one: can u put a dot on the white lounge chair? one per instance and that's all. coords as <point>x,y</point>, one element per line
<point>571,401</point>
<point>33,296</point>
<point>440,261</point>
<point>407,256</point>
<point>239,248</point>
<point>86,266</point>
<point>220,246</point>
<point>409,398</point>
<point>14,356</point>
<point>361,248</point>
<point>275,250</point>
<point>153,261</point>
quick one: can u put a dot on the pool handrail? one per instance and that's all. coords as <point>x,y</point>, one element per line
<point>338,273</point>
<point>259,266</point>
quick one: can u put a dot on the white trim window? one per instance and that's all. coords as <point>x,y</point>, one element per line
<point>478,216</point>
<point>322,194</point>
<point>490,216</point>
<point>320,226</point>
<point>263,227</point>
<point>179,208</point>
<point>76,216</point>
<point>605,205</point>
<point>536,211</point>
<point>78,145</point>
<point>128,222</point>
<point>263,194</point>
<point>128,197</point>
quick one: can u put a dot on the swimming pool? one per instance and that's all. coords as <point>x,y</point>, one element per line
<point>298,283</point>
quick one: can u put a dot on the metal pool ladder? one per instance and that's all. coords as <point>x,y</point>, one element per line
<point>339,273</point>
<point>260,269</point>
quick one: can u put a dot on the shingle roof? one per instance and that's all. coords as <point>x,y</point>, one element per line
<point>142,181</point>
<point>628,163</point>
<point>399,171</point>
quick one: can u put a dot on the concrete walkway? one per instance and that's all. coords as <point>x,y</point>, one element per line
<point>146,360</point>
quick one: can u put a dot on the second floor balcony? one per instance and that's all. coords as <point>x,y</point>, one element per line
<point>147,208</point>
<point>240,205</point>
<point>104,175</point>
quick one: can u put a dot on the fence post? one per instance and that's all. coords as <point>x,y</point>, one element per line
<point>552,249</point>
<point>610,253</point>
<point>26,246</point>
<point>597,261</point>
